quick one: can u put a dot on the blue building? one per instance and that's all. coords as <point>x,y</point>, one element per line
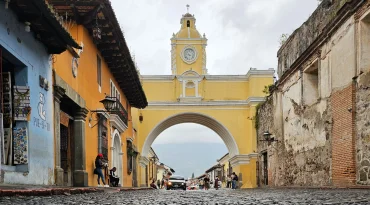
<point>30,34</point>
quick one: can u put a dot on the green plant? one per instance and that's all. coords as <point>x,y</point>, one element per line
<point>256,118</point>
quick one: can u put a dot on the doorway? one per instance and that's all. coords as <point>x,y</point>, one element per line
<point>265,169</point>
<point>117,156</point>
<point>65,154</point>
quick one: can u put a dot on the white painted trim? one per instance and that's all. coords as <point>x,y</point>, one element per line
<point>191,117</point>
<point>144,161</point>
<point>116,121</point>
<point>116,134</point>
<point>249,101</point>
<point>242,159</point>
<point>103,112</point>
<point>254,73</point>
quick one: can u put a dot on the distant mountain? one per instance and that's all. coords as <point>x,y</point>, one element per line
<point>190,157</point>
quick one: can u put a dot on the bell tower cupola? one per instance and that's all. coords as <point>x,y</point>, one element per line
<point>188,50</point>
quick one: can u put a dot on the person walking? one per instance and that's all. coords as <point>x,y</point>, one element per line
<point>228,185</point>
<point>99,165</point>
<point>206,182</point>
<point>216,183</point>
<point>234,178</point>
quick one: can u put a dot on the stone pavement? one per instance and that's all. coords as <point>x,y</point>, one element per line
<point>212,197</point>
<point>31,190</point>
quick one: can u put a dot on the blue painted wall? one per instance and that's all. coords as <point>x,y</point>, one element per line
<point>33,55</point>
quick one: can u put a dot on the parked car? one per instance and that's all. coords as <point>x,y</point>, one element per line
<point>176,182</point>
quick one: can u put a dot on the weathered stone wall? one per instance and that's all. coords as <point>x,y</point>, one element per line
<point>363,129</point>
<point>320,112</point>
<point>300,40</point>
<point>363,100</point>
<point>302,156</point>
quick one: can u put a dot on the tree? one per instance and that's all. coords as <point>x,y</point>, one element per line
<point>192,176</point>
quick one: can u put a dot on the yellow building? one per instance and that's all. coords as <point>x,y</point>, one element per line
<point>226,169</point>
<point>223,103</point>
<point>83,126</point>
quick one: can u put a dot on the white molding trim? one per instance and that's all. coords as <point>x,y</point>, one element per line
<point>249,101</point>
<point>254,73</point>
<point>116,122</point>
<point>198,118</point>
<point>144,161</point>
<point>191,99</point>
<point>103,112</point>
<point>242,159</point>
<point>158,77</point>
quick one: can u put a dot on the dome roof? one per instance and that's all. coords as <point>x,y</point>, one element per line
<point>188,15</point>
<point>183,33</point>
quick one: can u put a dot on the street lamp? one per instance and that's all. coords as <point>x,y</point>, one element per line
<point>268,138</point>
<point>108,103</point>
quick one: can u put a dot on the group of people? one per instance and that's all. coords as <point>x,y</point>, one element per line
<point>99,166</point>
<point>232,181</point>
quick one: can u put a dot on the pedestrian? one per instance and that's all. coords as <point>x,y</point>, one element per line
<point>206,182</point>
<point>162,183</point>
<point>152,185</point>
<point>114,179</point>
<point>216,183</point>
<point>158,184</point>
<point>99,166</point>
<point>228,181</point>
<point>235,179</point>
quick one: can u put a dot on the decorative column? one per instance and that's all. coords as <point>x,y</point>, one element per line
<point>196,88</point>
<point>183,88</point>
<point>59,172</point>
<point>80,176</point>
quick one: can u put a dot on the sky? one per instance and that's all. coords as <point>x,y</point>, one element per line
<point>241,34</point>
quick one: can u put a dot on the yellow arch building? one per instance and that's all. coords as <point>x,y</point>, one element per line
<point>223,103</point>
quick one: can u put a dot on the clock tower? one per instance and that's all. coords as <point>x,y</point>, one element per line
<point>188,52</point>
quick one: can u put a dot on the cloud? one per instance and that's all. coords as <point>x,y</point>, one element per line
<point>188,133</point>
<point>241,33</point>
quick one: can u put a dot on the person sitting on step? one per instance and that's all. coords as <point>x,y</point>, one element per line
<point>114,179</point>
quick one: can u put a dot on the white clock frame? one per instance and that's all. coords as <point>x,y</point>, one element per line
<point>195,52</point>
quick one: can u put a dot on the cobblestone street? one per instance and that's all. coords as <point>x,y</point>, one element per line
<point>255,196</point>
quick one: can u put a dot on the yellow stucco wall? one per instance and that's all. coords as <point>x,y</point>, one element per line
<point>227,99</point>
<point>86,85</point>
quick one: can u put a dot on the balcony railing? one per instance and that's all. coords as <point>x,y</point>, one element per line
<point>119,110</point>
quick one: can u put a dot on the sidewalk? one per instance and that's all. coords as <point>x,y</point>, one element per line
<point>34,190</point>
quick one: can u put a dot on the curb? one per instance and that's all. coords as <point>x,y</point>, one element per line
<point>60,191</point>
<point>318,188</point>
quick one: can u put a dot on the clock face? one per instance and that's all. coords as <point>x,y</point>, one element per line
<point>189,54</point>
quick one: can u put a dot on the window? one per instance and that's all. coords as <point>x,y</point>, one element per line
<point>103,138</point>
<point>98,65</point>
<point>311,84</point>
<point>188,23</point>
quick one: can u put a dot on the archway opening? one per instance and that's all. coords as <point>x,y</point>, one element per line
<point>189,148</point>
<point>117,155</point>
<point>197,118</point>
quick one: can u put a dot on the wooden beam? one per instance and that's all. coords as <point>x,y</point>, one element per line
<point>76,14</point>
<point>91,15</point>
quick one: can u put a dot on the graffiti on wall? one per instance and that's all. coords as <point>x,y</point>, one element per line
<point>40,121</point>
